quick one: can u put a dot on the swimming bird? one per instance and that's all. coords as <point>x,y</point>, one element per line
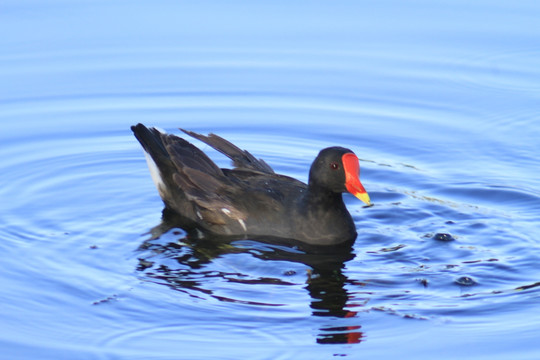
<point>251,200</point>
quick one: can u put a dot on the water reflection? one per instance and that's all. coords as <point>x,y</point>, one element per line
<point>184,262</point>
<point>329,298</point>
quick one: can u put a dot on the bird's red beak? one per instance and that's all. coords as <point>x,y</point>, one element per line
<point>352,180</point>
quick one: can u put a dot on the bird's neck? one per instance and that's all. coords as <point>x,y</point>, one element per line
<point>321,196</point>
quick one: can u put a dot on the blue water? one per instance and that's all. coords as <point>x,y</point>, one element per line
<point>440,100</point>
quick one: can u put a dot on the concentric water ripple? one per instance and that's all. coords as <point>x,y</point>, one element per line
<point>445,127</point>
<point>90,196</point>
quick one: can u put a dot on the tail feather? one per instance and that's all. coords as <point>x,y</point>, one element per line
<point>190,183</point>
<point>156,154</point>
<point>182,173</point>
<point>151,142</point>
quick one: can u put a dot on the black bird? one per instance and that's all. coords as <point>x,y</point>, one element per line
<point>251,200</point>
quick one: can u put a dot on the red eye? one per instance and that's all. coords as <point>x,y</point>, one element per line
<point>334,166</point>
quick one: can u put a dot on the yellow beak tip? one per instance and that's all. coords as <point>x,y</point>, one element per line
<point>364,197</point>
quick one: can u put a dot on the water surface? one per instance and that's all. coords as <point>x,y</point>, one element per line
<point>439,100</point>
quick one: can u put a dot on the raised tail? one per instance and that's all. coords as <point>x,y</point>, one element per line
<point>151,142</point>
<point>182,173</point>
<point>192,185</point>
<point>157,157</point>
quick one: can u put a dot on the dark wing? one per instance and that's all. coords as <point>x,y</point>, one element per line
<point>170,151</point>
<point>188,181</point>
<point>242,159</point>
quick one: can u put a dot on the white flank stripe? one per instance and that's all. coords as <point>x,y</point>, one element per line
<point>154,172</point>
<point>243,224</point>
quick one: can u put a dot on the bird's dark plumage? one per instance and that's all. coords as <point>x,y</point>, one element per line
<point>251,200</point>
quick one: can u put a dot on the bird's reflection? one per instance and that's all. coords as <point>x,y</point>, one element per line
<point>329,298</point>
<point>182,262</point>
